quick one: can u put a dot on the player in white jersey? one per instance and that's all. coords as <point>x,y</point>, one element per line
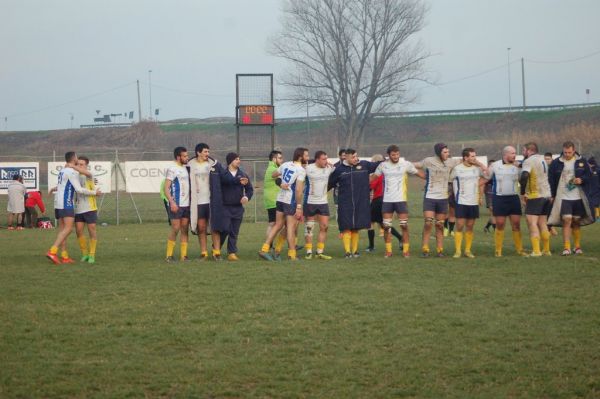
<point>177,191</point>
<point>86,213</point>
<point>395,195</point>
<point>535,190</point>
<point>317,207</point>
<point>467,186</point>
<point>289,203</point>
<point>64,205</point>
<point>435,203</point>
<point>505,198</point>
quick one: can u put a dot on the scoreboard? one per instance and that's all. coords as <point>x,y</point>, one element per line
<point>256,115</point>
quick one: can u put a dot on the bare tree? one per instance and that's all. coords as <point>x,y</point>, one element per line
<point>354,58</point>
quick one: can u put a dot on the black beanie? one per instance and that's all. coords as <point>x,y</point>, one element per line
<point>231,157</point>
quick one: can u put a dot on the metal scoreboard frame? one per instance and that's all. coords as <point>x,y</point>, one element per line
<point>254,103</point>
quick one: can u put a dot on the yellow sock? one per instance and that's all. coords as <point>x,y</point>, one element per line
<point>279,243</point>
<point>53,250</point>
<point>568,245</point>
<point>83,245</point>
<point>535,245</point>
<point>440,250</point>
<point>545,235</point>
<point>597,213</point>
<point>518,241</point>
<point>216,252</point>
<point>425,248</point>
<point>64,254</point>
<point>577,238</point>
<point>354,239</point>
<point>265,248</point>
<point>320,247</point>
<point>170,247</point>
<point>292,253</point>
<point>498,241</point>
<point>205,253</point>
<point>388,247</point>
<point>183,250</point>
<point>93,244</point>
<point>405,248</point>
<point>308,247</point>
<point>468,240</point>
<point>458,237</point>
<point>346,238</point>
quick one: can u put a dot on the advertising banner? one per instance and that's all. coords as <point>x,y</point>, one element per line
<point>100,170</point>
<point>145,176</point>
<point>30,171</point>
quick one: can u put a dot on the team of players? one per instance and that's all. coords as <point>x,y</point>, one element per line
<point>203,192</point>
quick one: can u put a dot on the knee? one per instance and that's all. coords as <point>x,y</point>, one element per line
<point>387,224</point>
<point>429,222</point>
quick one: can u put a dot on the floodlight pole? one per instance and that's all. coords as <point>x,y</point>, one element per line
<point>150,90</point>
<point>139,103</point>
<point>523,82</point>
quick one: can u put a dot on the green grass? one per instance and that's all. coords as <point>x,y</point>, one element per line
<point>134,326</point>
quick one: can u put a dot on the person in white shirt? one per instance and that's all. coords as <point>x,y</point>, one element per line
<point>16,201</point>
<point>177,191</point>
<point>316,207</point>
<point>467,186</point>
<point>505,199</point>
<point>395,195</point>
<point>288,204</point>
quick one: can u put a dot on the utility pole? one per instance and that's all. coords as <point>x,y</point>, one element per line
<point>508,67</point>
<point>150,90</point>
<point>523,82</point>
<point>139,103</point>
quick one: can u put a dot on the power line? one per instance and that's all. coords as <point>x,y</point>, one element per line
<point>564,61</point>
<point>476,75</point>
<point>194,93</point>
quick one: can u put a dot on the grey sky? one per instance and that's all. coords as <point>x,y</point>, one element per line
<point>57,51</point>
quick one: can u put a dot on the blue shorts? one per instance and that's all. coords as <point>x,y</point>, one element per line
<point>204,211</point>
<point>467,211</point>
<point>311,210</point>
<point>64,213</point>
<point>90,217</point>
<point>506,205</point>
<point>538,206</point>
<point>287,209</point>
<point>391,207</point>
<point>182,213</point>
<point>572,208</point>
<point>437,206</point>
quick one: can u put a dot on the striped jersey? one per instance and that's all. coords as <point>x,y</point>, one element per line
<point>465,184</point>
<point>437,176</point>
<point>395,179</point>
<point>316,183</point>
<point>83,202</point>
<point>537,184</point>
<point>200,172</point>
<point>180,185</point>
<point>505,178</point>
<point>68,185</point>
<point>291,173</point>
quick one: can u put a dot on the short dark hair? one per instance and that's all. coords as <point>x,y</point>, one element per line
<point>85,159</point>
<point>341,152</point>
<point>532,146</point>
<point>548,154</point>
<point>178,150</point>
<point>568,144</point>
<point>350,151</point>
<point>16,177</point>
<point>69,156</point>
<point>466,152</point>
<point>392,148</point>
<point>274,154</point>
<point>319,154</point>
<point>299,153</point>
<point>200,147</point>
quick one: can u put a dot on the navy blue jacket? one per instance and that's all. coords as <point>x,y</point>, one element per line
<point>354,209</point>
<point>232,189</point>
<point>582,171</point>
<point>217,217</point>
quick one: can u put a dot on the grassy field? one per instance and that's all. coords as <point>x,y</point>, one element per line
<point>134,326</point>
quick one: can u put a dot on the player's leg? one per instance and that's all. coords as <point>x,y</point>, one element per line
<point>202,237</point>
<point>387,216</point>
<point>544,234</point>
<point>468,236</point>
<point>439,232</point>
<point>403,222</point>
<point>576,232</point>
<point>92,232</point>
<point>81,238</point>
<point>291,223</point>
<point>429,221</point>
<point>323,228</point>
<point>277,227</point>
<point>534,234</point>
<point>458,237</point>
<point>68,224</point>
<point>183,240</point>
<point>309,227</point>
<point>172,237</point>
<point>515,223</point>
<point>499,234</point>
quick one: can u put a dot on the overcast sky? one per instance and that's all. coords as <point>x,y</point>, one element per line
<point>55,52</point>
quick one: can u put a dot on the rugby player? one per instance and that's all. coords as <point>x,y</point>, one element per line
<point>395,195</point>
<point>200,180</point>
<point>86,213</point>
<point>177,191</point>
<point>467,184</point>
<point>535,189</point>
<point>270,188</point>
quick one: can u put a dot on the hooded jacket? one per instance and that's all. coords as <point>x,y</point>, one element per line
<point>217,221</point>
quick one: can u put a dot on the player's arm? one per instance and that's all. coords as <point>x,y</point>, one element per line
<point>79,189</point>
<point>299,197</point>
<point>248,189</point>
<point>83,171</point>
<point>375,175</point>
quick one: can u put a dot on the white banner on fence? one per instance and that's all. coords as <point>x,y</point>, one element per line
<point>29,170</point>
<point>102,172</point>
<point>145,176</point>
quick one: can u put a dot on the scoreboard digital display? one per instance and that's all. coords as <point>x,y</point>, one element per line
<point>256,115</point>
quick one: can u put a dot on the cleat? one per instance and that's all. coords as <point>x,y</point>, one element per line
<point>277,257</point>
<point>67,260</point>
<point>299,247</point>
<point>91,260</point>
<point>440,255</point>
<point>266,256</point>
<point>10,228</point>
<point>535,254</point>
<point>184,259</point>
<point>348,255</point>
<point>547,253</point>
<point>578,251</point>
<point>203,257</point>
<point>323,257</point>
<point>370,249</point>
<point>406,254</point>
<point>469,255</point>
<point>425,254</point>
<point>20,228</point>
<point>217,258</point>
<point>308,256</point>
<point>356,255</point>
<point>53,257</point>
<point>387,255</point>
<point>457,255</point>
<point>232,257</point>
<point>170,259</point>
<point>85,258</point>
<point>566,252</point>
